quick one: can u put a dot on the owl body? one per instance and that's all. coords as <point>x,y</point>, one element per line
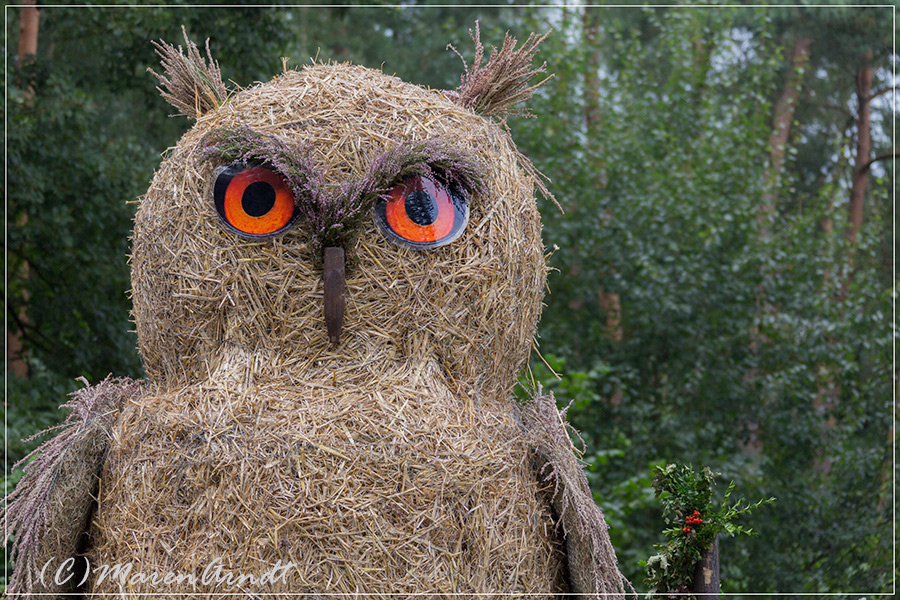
<point>392,462</point>
<point>354,487</point>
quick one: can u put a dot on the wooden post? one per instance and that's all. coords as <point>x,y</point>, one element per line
<point>706,573</point>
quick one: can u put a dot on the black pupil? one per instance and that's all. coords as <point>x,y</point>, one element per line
<point>258,199</point>
<point>421,208</point>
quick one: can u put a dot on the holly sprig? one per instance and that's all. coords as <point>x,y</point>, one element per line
<point>686,498</point>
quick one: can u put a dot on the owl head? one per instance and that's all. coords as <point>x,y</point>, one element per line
<point>415,201</point>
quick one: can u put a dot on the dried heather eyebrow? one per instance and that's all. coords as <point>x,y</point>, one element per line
<point>432,156</point>
<point>245,144</point>
<point>335,220</point>
<point>189,83</point>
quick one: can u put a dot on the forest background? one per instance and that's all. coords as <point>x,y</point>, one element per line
<point>723,286</point>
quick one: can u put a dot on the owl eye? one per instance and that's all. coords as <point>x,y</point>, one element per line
<point>253,201</point>
<point>420,212</point>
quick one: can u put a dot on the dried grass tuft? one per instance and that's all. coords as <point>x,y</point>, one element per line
<point>504,81</point>
<point>190,83</point>
<point>49,509</point>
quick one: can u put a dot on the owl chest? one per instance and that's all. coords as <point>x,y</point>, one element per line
<point>360,500</point>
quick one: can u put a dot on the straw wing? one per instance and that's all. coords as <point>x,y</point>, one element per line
<point>590,556</point>
<point>49,513</point>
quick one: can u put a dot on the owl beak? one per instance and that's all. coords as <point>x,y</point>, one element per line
<point>335,287</point>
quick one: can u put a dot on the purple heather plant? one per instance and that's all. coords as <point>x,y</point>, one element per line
<point>248,145</point>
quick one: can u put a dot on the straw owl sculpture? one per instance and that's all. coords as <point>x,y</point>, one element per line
<point>336,278</point>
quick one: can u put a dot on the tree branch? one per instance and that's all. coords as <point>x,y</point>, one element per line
<point>37,340</point>
<point>883,91</point>
<point>884,156</point>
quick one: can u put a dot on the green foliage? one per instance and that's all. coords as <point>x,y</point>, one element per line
<point>686,497</point>
<point>731,347</point>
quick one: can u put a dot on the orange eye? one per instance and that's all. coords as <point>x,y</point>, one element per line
<point>422,213</point>
<point>253,201</point>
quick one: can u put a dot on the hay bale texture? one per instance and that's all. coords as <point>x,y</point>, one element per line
<point>394,462</point>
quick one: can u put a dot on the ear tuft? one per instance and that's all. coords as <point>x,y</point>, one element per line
<point>492,90</point>
<point>189,83</point>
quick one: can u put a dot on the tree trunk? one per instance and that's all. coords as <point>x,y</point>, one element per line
<point>861,165</point>
<point>609,302</point>
<point>28,30</point>
<point>703,47</point>
<point>781,129</point>
<point>14,354</point>
<point>706,573</point>
<point>591,27</point>
<point>782,119</point>
<point>29,17</point>
<point>863,146</point>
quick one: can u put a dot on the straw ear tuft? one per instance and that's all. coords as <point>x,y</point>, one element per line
<point>189,83</point>
<point>493,89</point>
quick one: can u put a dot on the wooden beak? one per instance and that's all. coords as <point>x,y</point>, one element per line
<point>335,288</point>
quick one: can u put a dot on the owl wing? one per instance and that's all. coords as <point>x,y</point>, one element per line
<point>49,512</point>
<point>592,564</point>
